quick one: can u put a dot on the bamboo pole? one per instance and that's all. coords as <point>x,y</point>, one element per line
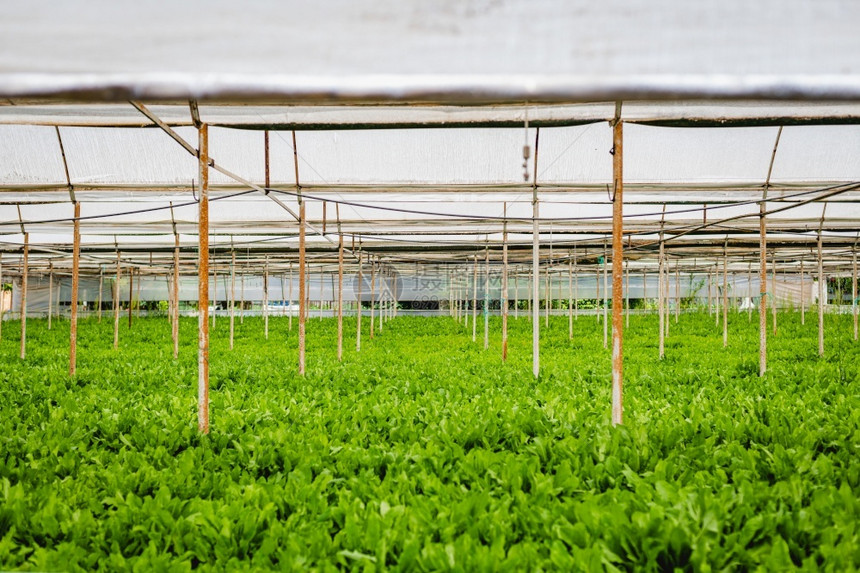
<point>547,291</point>
<point>340,296</point>
<point>570,299</point>
<point>773,289</point>
<point>677,293</point>
<point>725,299</point>
<point>76,263</point>
<point>575,288</point>
<point>130,294</point>
<point>232,295</point>
<point>203,285</point>
<point>763,287</point>
<point>487,301</point>
<point>597,296</point>
<point>266,299</point>
<point>535,262</point>
<point>290,310</point>
<point>174,327</point>
<point>854,290</point>
<point>660,288</point>
<point>101,287</point>
<point>50,292</point>
<point>617,262</point>
<point>373,296</point>
<point>627,295</point>
<point>504,296</point>
<point>116,304</point>
<point>605,300</point>
<point>822,294</point>
<point>358,306</point>
<point>475,302</point>
<point>802,296</point>
<point>302,273</point>
<point>24,274</point>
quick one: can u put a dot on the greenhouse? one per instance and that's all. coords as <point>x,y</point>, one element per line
<point>491,286</point>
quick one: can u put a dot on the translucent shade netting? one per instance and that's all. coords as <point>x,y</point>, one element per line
<point>30,155</point>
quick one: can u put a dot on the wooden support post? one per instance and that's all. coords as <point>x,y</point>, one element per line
<point>854,290</point>
<point>547,291</point>
<point>25,271</point>
<point>76,263</point>
<point>203,285</point>
<point>627,295</point>
<point>487,300</point>
<point>802,296</point>
<point>597,296</point>
<point>762,360</point>
<point>302,273</point>
<point>214,295</point>
<point>101,289</point>
<point>570,299</point>
<point>232,295</point>
<point>822,298</point>
<point>116,304</point>
<point>535,264</point>
<point>358,306</point>
<point>773,289</point>
<point>617,262</point>
<point>266,299</point>
<point>130,294</point>
<point>339,296</point>
<point>50,292</point>
<point>174,326</point>
<point>605,299</point>
<point>660,293</point>
<point>575,288</point>
<point>504,296</point>
<point>749,291</point>
<point>373,295</point>
<point>725,298</point>
<point>475,301</point>
<point>290,310</point>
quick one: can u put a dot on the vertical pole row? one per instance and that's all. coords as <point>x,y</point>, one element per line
<point>203,285</point>
<point>617,269</point>
<point>25,271</point>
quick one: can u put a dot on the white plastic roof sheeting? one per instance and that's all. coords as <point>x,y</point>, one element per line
<point>389,49</point>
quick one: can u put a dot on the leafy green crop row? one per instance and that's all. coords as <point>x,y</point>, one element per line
<point>424,452</point>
